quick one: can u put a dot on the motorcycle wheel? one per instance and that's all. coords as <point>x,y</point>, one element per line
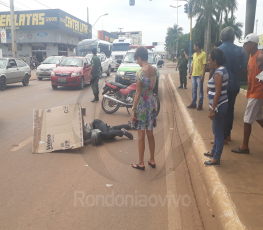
<point>158,104</point>
<point>109,106</point>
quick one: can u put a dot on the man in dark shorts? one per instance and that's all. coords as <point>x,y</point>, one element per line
<point>107,132</point>
<point>95,72</point>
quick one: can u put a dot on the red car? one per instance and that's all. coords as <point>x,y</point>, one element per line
<point>72,71</point>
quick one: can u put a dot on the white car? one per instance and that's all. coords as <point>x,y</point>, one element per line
<point>46,67</point>
<point>105,62</point>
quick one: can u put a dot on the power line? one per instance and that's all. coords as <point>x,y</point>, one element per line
<point>43,4</point>
<point>8,6</point>
<point>23,5</point>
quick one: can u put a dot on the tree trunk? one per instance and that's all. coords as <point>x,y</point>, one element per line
<point>208,34</point>
<point>250,16</point>
<point>220,25</point>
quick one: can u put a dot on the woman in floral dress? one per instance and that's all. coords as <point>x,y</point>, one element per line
<point>143,116</point>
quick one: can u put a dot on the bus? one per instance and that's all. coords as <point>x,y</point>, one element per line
<point>87,45</point>
<point>120,48</point>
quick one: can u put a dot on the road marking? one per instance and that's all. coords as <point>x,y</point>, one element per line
<point>174,220</point>
<point>22,144</point>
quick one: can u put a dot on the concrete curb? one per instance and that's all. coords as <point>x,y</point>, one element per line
<point>221,201</point>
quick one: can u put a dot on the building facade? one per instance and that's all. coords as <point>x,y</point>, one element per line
<point>135,35</point>
<point>43,33</point>
<point>260,44</point>
<point>106,36</point>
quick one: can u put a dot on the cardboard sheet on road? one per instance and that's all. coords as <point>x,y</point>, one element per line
<point>58,128</point>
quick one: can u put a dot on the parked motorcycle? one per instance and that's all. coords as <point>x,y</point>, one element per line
<point>116,95</point>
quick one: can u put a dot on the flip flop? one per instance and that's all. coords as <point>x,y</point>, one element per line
<point>241,151</point>
<point>153,166</point>
<point>138,167</point>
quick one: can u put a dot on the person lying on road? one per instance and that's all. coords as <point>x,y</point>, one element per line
<point>97,130</point>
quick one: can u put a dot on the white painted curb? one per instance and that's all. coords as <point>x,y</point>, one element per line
<point>219,198</point>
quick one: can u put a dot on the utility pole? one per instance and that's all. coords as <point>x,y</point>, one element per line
<point>120,30</point>
<point>13,29</point>
<point>177,32</point>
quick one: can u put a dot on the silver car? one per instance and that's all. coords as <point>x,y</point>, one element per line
<point>46,67</point>
<point>13,70</point>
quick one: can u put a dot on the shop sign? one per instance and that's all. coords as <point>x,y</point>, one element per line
<point>42,34</point>
<point>106,36</point>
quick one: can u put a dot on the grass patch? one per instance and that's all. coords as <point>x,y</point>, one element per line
<point>170,60</point>
<point>243,87</point>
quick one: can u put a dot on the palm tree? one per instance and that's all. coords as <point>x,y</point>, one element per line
<point>250,16</point>
<point>205,9</point>
<point>171,37</point>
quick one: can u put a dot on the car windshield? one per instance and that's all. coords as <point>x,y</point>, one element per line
<point>85,49</point>
<point>71,62</point>
<point>121,47</point>
<point>129,58</point>
<point>2,63</point>
<point>52,60</point>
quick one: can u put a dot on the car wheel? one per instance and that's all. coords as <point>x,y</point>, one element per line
<point>81,85</point>
<point>40,78</point>
<point>109,71</point>
<point>2,83</point>
<point>25,80</point>
<point>54,86</point>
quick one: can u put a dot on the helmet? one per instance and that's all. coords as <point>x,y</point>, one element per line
<point>96,135</point>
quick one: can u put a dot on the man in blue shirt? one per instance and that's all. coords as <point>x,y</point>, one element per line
<point>236,61</point>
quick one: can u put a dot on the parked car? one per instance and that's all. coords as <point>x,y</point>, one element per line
<point>46,67</point>
<point>126,73</point>
<point>105,63</point>
<point>72,71</point>
<point>13,70</point>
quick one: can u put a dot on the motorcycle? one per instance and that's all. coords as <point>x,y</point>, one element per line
<point>116,95</point>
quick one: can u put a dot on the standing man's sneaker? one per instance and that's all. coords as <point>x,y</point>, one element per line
<point>209,163</point>
<point>191,106</point>
<point>185,86</point>
<point>180,87</point>
<point>200,107</point>
<point>127,134</point>
<point>240,151</point>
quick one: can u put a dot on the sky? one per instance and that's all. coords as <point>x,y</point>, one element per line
<point>151,17</point>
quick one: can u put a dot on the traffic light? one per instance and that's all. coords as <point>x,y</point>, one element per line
<point>132,2</point>
<point>186,8</point>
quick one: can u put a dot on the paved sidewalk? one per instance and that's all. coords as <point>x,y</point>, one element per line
<point>241,174</point>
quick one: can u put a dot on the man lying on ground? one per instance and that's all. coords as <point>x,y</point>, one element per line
<point>98,130</point>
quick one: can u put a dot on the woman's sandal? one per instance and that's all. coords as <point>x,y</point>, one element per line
<point>138,167</point>
<point>153,166</point>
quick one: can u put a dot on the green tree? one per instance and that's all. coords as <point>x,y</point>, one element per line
<point>171,37</point>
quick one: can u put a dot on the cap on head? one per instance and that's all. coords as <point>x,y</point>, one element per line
<point>227,34</point>
<point>250,38</point>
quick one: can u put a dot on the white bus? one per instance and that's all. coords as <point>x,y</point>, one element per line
<point>86,46</point>
<point>120,48</point>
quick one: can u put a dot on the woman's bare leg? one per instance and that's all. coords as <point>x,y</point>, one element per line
<point>141,147</point>
<point>151,143</point>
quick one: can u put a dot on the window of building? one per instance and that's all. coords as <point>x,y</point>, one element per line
<point>19,47</point>
<point>63,51</point>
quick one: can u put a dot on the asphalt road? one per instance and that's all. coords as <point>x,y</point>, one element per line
<point>68,189</point>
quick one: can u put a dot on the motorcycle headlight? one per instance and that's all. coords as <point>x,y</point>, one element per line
<point>52,73</point>
<point>121,73</point>
<point>76,74</point>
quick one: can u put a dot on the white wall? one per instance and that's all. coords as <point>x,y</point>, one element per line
<point>52,50</point>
